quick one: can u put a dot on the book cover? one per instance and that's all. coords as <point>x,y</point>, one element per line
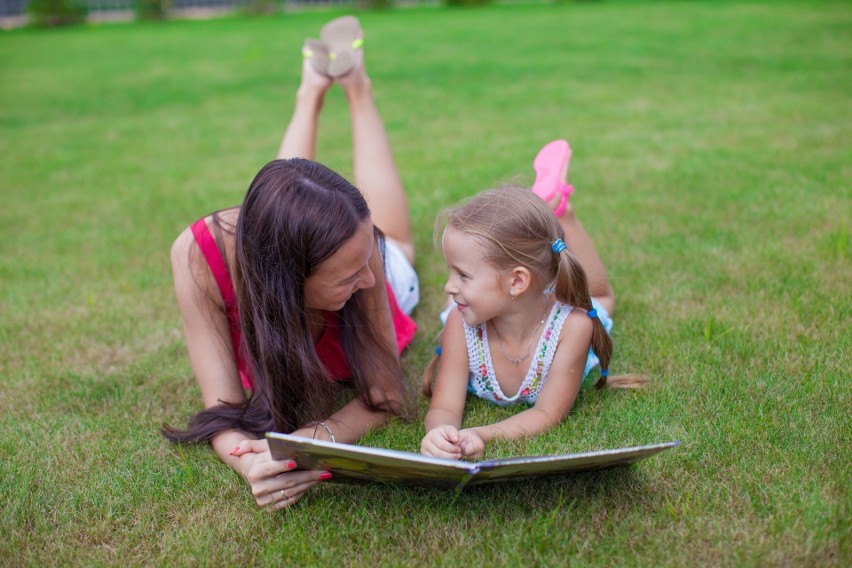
<point>361,464</point>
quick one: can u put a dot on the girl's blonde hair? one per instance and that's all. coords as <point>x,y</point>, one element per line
<point>516,228</point>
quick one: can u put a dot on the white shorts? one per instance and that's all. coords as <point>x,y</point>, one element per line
<point>401,277</point>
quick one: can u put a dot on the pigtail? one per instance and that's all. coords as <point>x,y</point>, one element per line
<point>602,346</point>
<point>572,288</point>
<point>429,372</point>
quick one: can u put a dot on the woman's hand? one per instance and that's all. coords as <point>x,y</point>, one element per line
<point>273,483</point>
<point>442,442</point>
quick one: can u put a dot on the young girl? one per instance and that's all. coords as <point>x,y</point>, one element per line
<point>530,297</point>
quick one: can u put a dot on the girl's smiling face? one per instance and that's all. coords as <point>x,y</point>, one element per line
<point>476,285</point>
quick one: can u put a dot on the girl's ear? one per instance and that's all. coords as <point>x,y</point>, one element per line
<point>521,279</point>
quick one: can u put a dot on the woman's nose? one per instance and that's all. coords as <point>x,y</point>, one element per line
<point>368,280</point>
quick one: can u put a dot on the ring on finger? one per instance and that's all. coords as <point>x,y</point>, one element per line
<point>284,496</point>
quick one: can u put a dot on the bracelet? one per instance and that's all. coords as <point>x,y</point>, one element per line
<point>326,428</point>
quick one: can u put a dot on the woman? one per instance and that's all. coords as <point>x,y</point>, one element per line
<point>300,287</point>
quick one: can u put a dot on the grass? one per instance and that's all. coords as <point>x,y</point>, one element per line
<point>711,159</point>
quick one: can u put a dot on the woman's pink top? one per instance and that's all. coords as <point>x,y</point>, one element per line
<point>328,348</point>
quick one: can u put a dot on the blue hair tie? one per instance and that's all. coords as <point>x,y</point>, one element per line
<point>593,313</point>
<point>438,351</point>
<point>605,373</point>
<point>558,246</point>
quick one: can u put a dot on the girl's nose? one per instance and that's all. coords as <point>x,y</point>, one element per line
<point>449,288</point>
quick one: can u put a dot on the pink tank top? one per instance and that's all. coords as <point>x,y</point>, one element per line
<point>328,348</point>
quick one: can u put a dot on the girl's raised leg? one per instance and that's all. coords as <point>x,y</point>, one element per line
<point>301,135</point>
<point>580,244</point>
<point>376,174</point>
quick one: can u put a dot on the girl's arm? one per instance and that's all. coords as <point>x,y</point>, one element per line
<point>448,394</point>
<point>556,398</point>
<point>215,368</point>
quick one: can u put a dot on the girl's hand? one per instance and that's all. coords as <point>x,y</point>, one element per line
<point>471,443</point>
<point>442,442</point>
<point>273,483</point>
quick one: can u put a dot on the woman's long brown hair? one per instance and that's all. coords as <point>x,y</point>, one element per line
<point>295,215</point>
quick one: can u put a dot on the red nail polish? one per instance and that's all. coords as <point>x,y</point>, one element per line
<point>291,464</point>
<point>235,450</point>
<point>325,475</point>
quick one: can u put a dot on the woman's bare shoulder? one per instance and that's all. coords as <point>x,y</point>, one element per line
<point>221,224</point>
<point>190,270</point>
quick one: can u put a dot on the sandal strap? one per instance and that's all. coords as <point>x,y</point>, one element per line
<point>565,190</point>
<point>562,204</point>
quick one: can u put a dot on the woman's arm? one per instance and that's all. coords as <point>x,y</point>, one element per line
<point>205,324</point>
<point>348,424</point>
<point>448,394</point>
<point>215,368</point>
<point>556,398</point>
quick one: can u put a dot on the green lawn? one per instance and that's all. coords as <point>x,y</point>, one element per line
<point>712,165</point>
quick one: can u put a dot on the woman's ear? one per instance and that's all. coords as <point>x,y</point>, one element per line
<point>521,280</point>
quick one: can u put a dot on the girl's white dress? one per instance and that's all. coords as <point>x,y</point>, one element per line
<point>482,379</point>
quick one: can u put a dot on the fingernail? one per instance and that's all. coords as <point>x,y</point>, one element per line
<point>325,475</point>
<point>235,450</point>
<point>291,464</point>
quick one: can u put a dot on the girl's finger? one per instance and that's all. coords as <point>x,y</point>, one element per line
<point>471,450</point>
<point>446,445</point>
<point>452,453</point>
<point>451,434</point>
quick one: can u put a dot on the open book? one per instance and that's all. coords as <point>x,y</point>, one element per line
<point>360,464</point>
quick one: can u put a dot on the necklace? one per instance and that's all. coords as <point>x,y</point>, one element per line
<point>515,361</point>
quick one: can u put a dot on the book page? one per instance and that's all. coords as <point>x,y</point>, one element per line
<point>369,465</point>
<point>360,464</point>
<point>518,468</point>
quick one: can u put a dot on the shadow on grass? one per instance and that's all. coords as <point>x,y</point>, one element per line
<point>481,521</point>
<point>609,488</point>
